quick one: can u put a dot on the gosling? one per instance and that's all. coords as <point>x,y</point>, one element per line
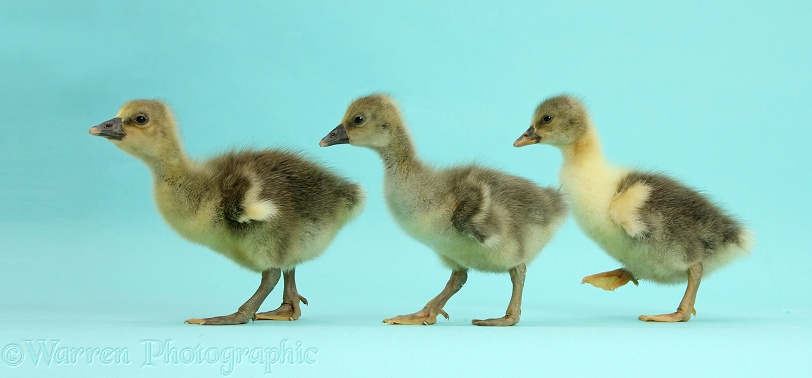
<point>472,217</point>
<point>266,210</point>
<point>656,227</point>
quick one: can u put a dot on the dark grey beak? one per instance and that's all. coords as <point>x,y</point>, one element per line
<point>337,136</point>
<point>109,129</point>
<point>529,137</point>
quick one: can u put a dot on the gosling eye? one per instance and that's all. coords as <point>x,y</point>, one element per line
<point>140,119</point>
<point>359,119</point>
<point>546,118</point>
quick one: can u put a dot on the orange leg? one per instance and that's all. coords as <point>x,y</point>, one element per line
<point>428,315</point>
<point>610,280</point>
<point>686,306</point>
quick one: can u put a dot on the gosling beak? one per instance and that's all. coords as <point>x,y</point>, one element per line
<point>529,137</point>
<point>337,136</point>
<point>109,129</point>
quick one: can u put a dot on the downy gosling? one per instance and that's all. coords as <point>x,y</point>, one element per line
<point>267,210</point>
<point>472,217</point>
<point>656,227</point>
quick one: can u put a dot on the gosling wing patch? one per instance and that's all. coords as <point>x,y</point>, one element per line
<point>255,208</point>
<point>625,209</point>
<point>258,211</point>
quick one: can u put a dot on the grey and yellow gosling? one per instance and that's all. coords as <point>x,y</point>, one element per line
<point>472,217</point>
<point>267,210</point>
<point>656,227</point>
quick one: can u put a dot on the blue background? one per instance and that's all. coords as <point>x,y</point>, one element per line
<point>715,93</point>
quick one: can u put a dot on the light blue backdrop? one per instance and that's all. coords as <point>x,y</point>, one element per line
<point>715,93</point>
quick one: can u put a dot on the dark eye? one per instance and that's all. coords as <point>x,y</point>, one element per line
<point>140,119</point>
<point>359,119</point>
<point>546,119</point>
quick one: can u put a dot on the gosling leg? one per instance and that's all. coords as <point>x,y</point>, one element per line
<point>514,310</point>
<point>289,309</point>
<point>610,280</point>
<point>428,315</point>
<point>249,309</point>
<point>686,306</point>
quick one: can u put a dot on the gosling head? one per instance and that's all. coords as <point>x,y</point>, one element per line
<point>373,121</point>
<point>558,121</point>
<point>142,128</point>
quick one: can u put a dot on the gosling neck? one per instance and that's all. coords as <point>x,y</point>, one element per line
<point>399,156</point>
<point>171,165</point>
<point>586,150</point>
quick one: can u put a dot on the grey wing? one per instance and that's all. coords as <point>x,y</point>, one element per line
<point>234,188</point>
<point>471,215</point>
